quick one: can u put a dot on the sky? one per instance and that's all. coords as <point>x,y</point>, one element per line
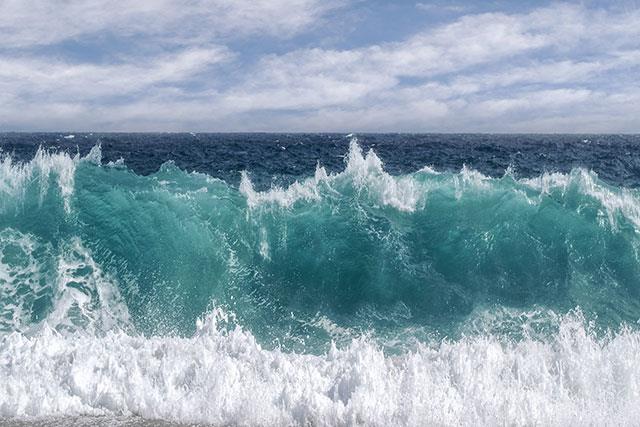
<point>320,66</point>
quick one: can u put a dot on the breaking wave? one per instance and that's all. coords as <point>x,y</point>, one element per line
<point>347,298</point>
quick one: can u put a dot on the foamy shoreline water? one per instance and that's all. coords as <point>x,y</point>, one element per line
<point>226,378</point>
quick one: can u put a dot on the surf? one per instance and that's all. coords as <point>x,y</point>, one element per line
<point>347,297</point>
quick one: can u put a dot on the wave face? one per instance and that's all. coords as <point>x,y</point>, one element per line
<point>345,297</point>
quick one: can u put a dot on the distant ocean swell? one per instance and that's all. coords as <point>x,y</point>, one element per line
<point>346,298</point>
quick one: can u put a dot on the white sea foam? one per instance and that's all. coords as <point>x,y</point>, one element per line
<point>85,297</point>
<point>74,292</point>
<point>16,176</point>
<point>117,164</point>
<point>365,173</point>
<point>22,278</point>
<point>225,378</point>
<point>306,190</point>
<point>614,202</point>
<point>470,179</point>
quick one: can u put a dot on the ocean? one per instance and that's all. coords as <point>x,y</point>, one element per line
<point>319,279</point>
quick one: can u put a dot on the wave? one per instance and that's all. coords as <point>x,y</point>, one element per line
<point>356,297</point>
<point>363,248</point>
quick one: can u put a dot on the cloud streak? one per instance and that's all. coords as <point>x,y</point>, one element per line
<point>25,23</point>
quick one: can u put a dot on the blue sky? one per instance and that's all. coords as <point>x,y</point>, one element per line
<point>320,65</point>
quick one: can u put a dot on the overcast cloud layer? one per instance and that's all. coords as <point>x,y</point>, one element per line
<point>318,65</point>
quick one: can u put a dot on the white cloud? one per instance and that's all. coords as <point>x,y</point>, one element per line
<point>486,72</point>
<point>435,7</point>
<point>42,79</point>
<point>361,88</point>
<point>317,78</point>
<point>42,22</point>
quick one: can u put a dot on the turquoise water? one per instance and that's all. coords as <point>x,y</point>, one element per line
<point>517,286</point>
